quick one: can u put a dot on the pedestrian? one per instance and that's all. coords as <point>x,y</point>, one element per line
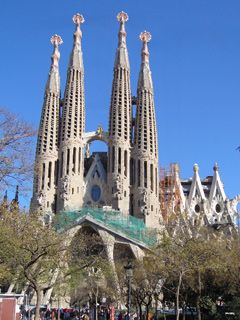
<point>120,316</point>
<point>48,314</point>
<point>23,313</point>
<point>66,315</point>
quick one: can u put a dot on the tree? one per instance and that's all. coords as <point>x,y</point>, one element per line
<point>186,260</point>
<point>16,142</point>
<point>145,284</point>
<point>33,252</point>
<point>8,245</point>
<point>89,272</point>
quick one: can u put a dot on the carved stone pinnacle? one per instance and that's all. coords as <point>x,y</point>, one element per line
<point>122,16</point>
<point>78,19</point>
<point>56,40</point>
<point>195,167</point>
<point>145,36</point>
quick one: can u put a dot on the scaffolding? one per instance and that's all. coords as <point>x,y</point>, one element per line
<point>170,196</point>
<point>126,225</point>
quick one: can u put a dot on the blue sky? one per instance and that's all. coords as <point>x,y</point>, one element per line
<point>195,62</point>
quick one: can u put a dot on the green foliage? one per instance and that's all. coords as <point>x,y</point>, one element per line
<point>30,252</point>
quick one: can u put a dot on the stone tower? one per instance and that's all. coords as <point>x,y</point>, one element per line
<point>120,125</point>
<point>145,150</point>
<point>71,150</point>
<point>46,161</point>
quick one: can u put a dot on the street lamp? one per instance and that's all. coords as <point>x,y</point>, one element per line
<point>129,273</point>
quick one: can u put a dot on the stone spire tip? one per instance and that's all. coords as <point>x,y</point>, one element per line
<point>195,167</point>
<point>122,16</point>
<point>56,40</point>
<point>78,19</point>
<point>215,167</point>
<point>145,36</point>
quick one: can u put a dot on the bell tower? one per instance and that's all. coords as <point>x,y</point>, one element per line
<point>71,150</point>
<point>120,125</point>
<point>46,161</point>
<point>145,149</point>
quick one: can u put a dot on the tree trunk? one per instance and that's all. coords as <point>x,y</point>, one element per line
<point>38,304</point>
<point>58,313</point>
<point>140,311</point>
<point>184,311</point>
<point>199,297</point>
<point>147,311</point>
<point>96,302</point>
<point>156,307</point>
<point>177,296</point>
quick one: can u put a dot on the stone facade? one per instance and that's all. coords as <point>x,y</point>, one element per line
<point>126,178</point>
<point>63,179</point>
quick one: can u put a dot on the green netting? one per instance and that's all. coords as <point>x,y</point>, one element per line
<point>127,225</point>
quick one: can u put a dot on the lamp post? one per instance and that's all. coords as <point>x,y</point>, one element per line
<point>129,273</point>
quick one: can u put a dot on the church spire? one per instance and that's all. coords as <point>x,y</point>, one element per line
<point>16,194</point>
<point>53,83</point>
<point>71,149</point>
<point>145,149</point>
<point>121,58</point>
<point>145,78</point>
<point>48,133</point>
<point>76,60</point>
<point>120,124</point>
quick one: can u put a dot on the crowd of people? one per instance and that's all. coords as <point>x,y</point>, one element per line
<point>64,314</point>
<point>54,314</point>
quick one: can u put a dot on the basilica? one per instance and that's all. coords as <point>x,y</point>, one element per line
<point>127,178</point>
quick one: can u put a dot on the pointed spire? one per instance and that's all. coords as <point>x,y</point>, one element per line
<point>53,83</point>
<point>196,186</point>
<point>122,17</point>
<point>16,194</point>
<point>5,198</point>
<point>56,40</point>
<point>217,185</point>
<point>121,59</point>
<point>76,60</point>
<point>145,79</point>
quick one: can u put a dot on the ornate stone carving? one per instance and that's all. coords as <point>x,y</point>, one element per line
<point>145,36</point>
<point>41,199</point>
<point>65,190</point>
<point>87,154</point>
<point>117,188</point>
<point>78,19</point>
<point>144,202</point>
<point>56,40</point>
<point>99,130</point>
<point>122,16</point>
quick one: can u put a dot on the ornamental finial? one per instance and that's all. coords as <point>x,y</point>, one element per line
<point>56,40</point>
<point>78,19</point>
<point>195,167</point>
<point>122,16</point>
<point>216,167</point>
<point>145,36</point>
